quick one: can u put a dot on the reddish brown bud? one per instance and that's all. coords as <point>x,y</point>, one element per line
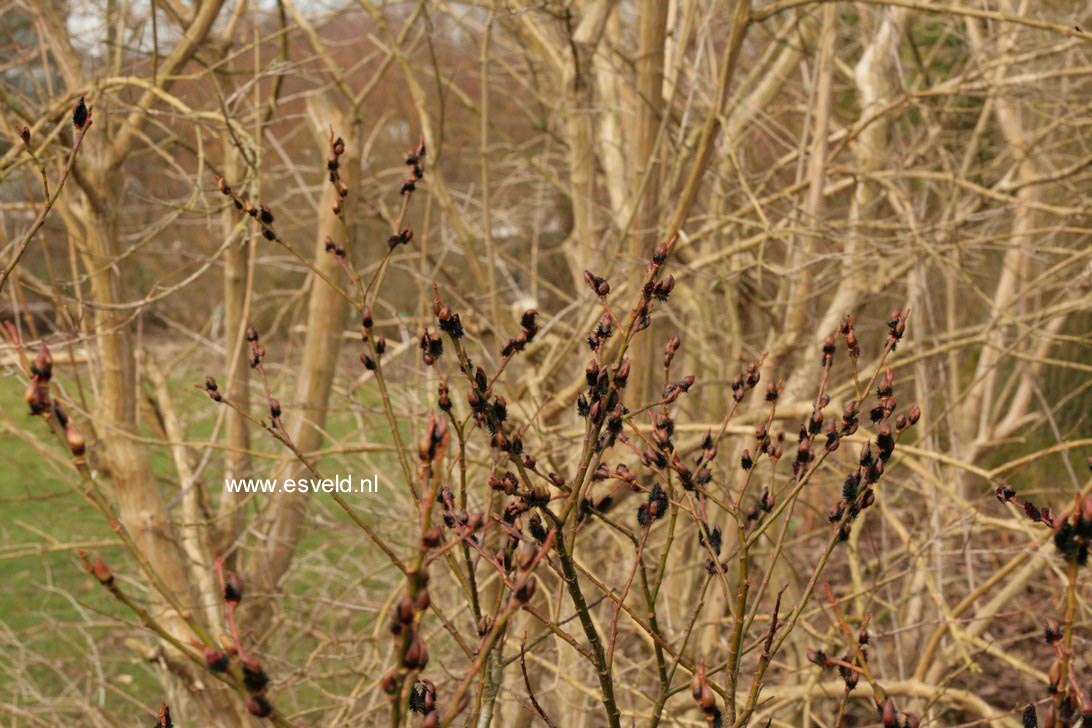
<point>887,713</point>
<point>416,655</point>
<point>81,114</point>
<point>1052,630</point>
<point>259,706</point>
<point>36,397</point>
<point>265,214</point>
<point>389,683</point>
<point>216,660</point>
<point>852,344</point>
<point>211,386</point>
<point>659,255</point>
<point>101,571</point>
<point>77,445</point>
<point>598,285</point>
<point>1054,676</point>
<point>526,589</point>
<point>233,588</point>
<point>622,375</point>
<point>431,539</point>
<point>43,364</point>
<point>1050,716</point>
<point>591,372</point>
<point>665,287</point>
<point>406,610</point>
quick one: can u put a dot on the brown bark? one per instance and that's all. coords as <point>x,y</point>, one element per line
<point>652,35</point>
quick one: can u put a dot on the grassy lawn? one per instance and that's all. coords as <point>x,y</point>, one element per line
<point>53,617</point>
<point>47,603</point>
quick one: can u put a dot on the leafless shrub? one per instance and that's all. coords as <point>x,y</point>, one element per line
<point>626,372</point>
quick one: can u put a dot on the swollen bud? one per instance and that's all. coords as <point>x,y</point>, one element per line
<point>259,706</point>
<point>416,655</point>
<point>887,714</point>
<point>1054,676</point>
<point>255,679</point>
<point>526,589</point>
<point>216,660</point>
<point>80,114</point>
<point>36,397</point>
<point>389,682</point>
<point>101,571</point>
<point>76,443</point>
<point>233,588</point>
<point>1052,630</point>
<point>43,364</point>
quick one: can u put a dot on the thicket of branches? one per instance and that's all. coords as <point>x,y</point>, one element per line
<point>721,362</point>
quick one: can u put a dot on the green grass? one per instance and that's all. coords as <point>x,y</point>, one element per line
<point>51,612</point>
<point>40,507</point>
<point>47,601</point>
